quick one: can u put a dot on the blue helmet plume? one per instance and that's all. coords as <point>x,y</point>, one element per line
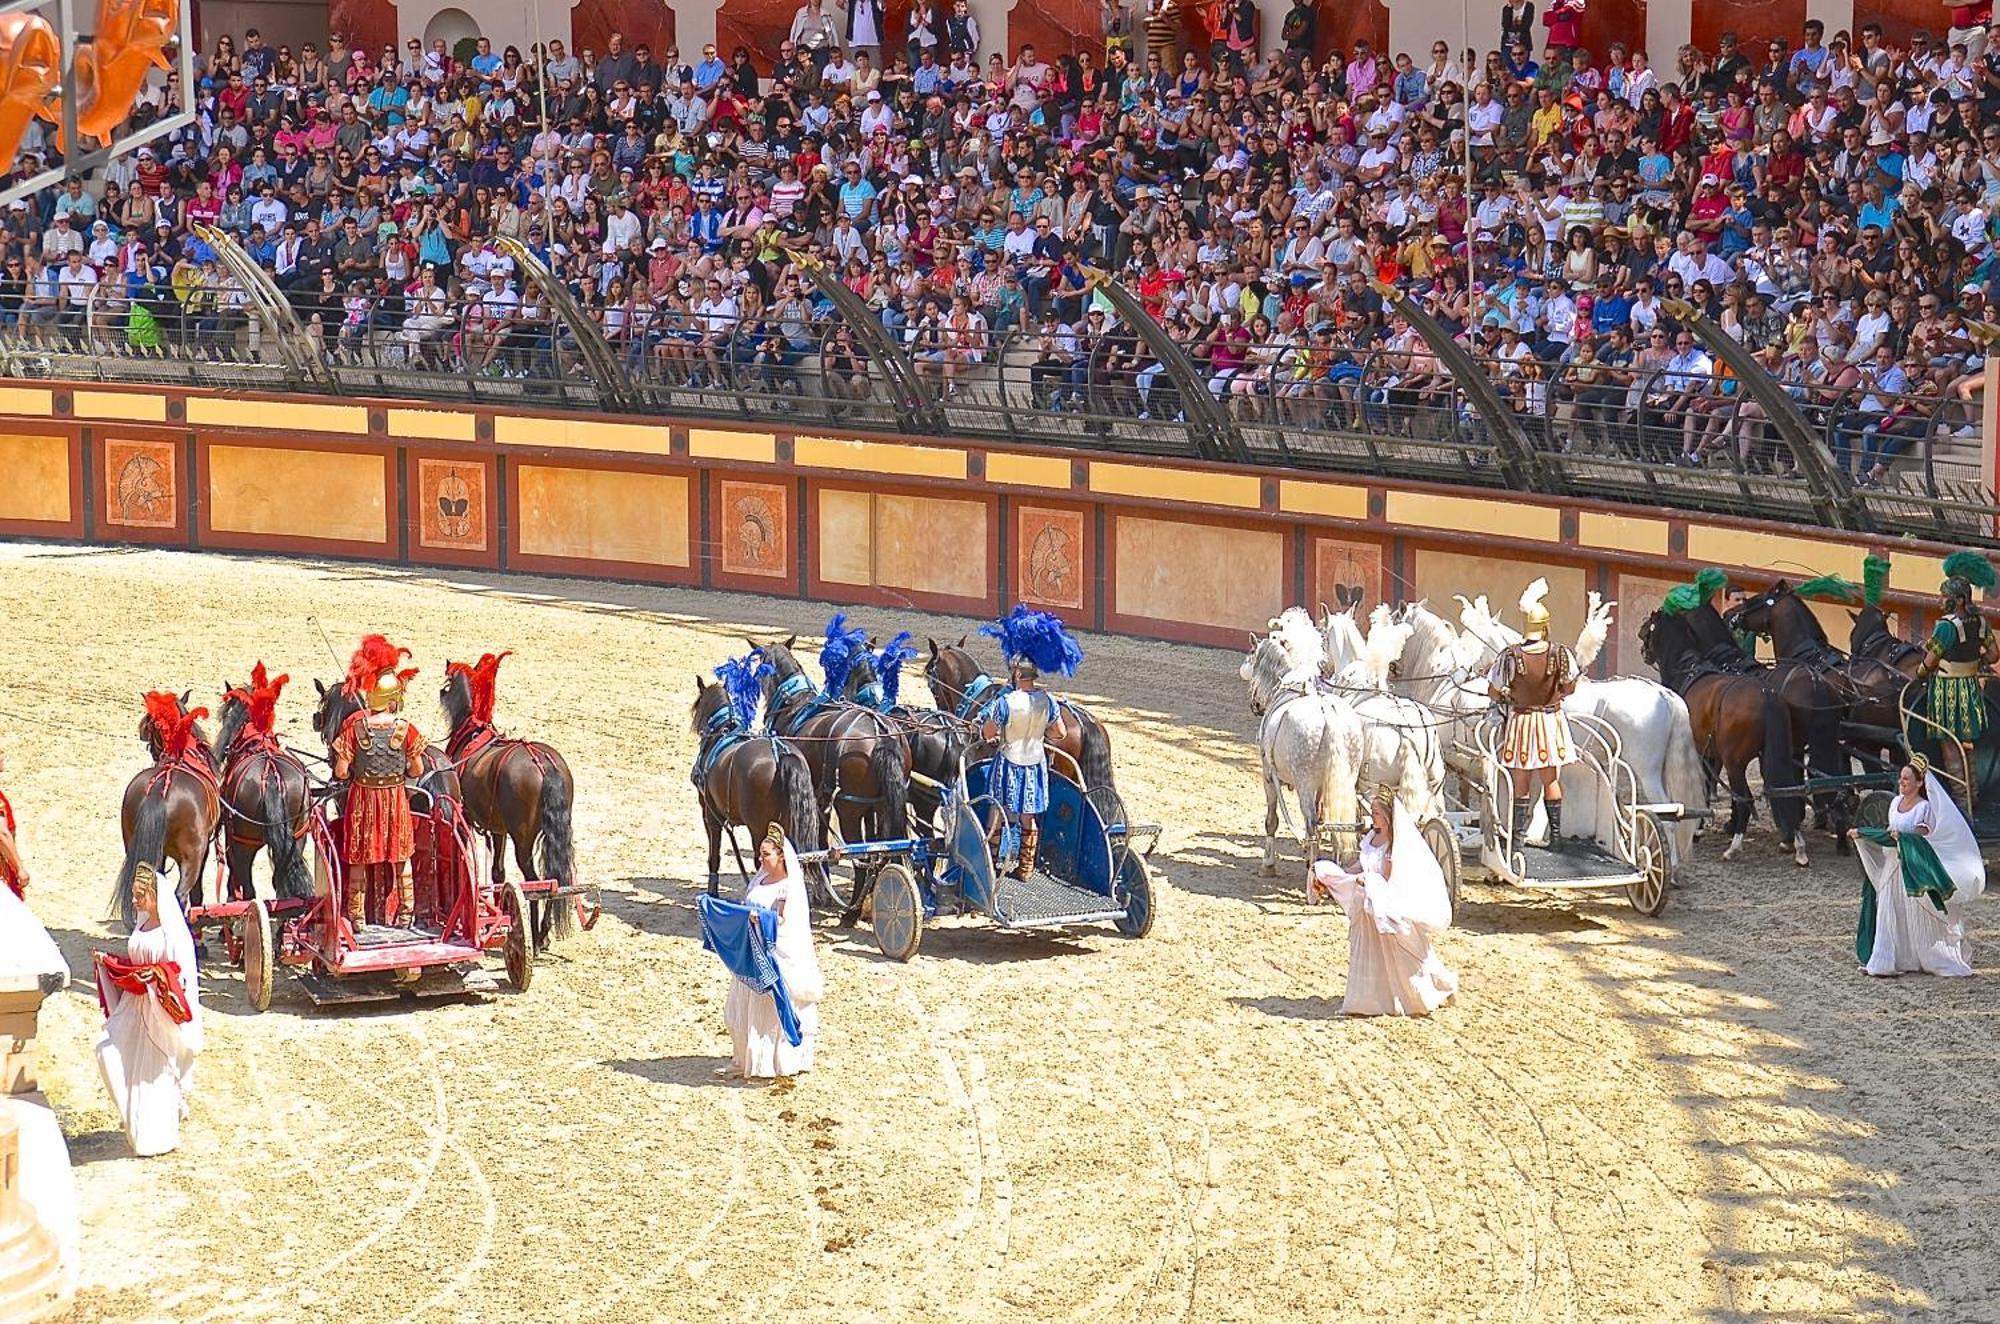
<point>843,647</point>
<point>889,665</point>
<point>740,677</point>
<point>1037,636</point>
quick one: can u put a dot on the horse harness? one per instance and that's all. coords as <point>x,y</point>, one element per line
<point>476,738</point>
<point>247,749</point>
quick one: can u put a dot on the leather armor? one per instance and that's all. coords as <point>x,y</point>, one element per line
<point>1536,677</point>
<point>380,758</point>
<point>1971,643</point>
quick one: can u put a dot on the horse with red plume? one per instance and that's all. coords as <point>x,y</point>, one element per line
<point>266,793</point>
<point>513,790</point>
<point>170,810</point>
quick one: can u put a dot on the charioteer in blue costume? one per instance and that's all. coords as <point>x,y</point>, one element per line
<point>1961,647</point>
<point>1021,717</point>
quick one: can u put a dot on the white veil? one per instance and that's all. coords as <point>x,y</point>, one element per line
<point>1412,899</point>
<point>1951,839</point>
<point>180,950</point>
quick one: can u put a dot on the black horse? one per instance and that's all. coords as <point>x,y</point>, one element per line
<point>1813,679</point>
<point>939,741</point>
<point>860,758</point>
<point>747,779</point>
<point>1736,722</point>
<point>266,793</point>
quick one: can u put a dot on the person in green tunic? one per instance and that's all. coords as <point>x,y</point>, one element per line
<point>1960,648</point>
<point>1923,870</point>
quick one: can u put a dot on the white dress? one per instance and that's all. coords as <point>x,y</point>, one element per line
<point>1910,933</point>
<point>761,1049</point>
<point>1393,912</point>
<point>146,1059</point>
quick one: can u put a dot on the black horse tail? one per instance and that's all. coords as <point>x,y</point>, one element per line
<point>1782,771</point>
<point>797,800</point>
<point>148,846</point>
<point>289,876</point>
<point>558,859</point>
<point>1096,761</point>
<point>890,764</point>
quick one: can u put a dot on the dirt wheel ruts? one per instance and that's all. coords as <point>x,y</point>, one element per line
<point>1652,855</point>
<point>260,954</point>
<point>519,953</point>
<point>899,912</point>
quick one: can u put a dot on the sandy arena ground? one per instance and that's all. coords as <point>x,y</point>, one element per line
<point>1707,1116</point>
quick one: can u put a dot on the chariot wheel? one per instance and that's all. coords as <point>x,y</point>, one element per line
<point>520,949</point>
<point>1652,855</point>
<point>1137,882</point>
<point>1443,842</point>
<point>1873,811</point>
<point>232,942</point>
<point>899,912</point>
<point>260,954</point>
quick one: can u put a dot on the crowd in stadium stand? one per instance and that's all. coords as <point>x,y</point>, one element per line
<point>1829,202</point>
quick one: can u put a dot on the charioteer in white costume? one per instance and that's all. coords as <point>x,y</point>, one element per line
<point>1022,718</point>
<point>1529,681</point>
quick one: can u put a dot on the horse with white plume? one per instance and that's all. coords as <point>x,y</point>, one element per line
<point>1403,747</point>
<point>1655,734</point>
<point>1308,740</point>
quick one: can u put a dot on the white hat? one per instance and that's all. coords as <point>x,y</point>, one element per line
<point>874,94</point>
<point>914,181</point>
<point>657,245</point>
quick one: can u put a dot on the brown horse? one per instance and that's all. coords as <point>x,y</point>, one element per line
<point>961,687</point>
<point>749,780</point>
<point>1736,721</point>
<point>514,790</point>
<point>170,810</point>
<point>938,740</point>
<point>859,757</point>
<point>266,792</point>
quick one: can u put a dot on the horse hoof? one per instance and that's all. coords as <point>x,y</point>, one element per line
<point>1267,870</point>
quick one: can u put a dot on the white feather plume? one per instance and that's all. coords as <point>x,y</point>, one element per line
<point>1596,629</point>
<point>1294,632</point>
<point>1532,595</point>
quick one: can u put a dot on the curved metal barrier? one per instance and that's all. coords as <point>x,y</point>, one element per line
<point>1548,424</point>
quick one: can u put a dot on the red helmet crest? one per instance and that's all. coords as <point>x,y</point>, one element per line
<point>480,678</point>
<point>261,699</point>
<point>375,656</point>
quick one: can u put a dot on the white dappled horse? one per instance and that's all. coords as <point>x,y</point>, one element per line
<point>1308,740</point>
<point>1403,748</point>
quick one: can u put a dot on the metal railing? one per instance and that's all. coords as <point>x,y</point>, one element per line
<point>1618,434</point>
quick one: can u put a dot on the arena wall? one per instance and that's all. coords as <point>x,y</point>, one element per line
<point>1175,550</point>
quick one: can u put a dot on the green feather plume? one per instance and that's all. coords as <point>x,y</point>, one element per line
<point>1971,567</point>
<point>1709,583</point>
<point>1681,599</point>
<point>1874,578</point>
<point>1828,586</point>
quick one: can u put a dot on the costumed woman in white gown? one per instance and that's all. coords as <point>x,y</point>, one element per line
<point>1924,872</point>
<point>1396,904</point>
<point>761,1046</point>
<point>152,1018</point>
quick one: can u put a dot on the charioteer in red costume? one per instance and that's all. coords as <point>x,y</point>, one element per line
<point>374,754</point>
<point>13,872</point>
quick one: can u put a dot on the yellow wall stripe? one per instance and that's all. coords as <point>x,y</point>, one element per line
<point>132,407</point>
<point>433,424</point>
<point>1624,533</point>
<point>750,447</point>
<point>1774,553</point>
<point>580,434</point>
<point>1028,470</point>
<point>1500,517</point>
<point>879,457</point>
<point>28,401</point>
<point>1335,500</point>
<point>1243,491</point>
<point>277,415</point>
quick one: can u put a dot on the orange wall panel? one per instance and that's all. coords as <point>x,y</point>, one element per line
<point>1209,575</point>
<point>603,515</point>
<point>332,496</point>
<point>846,537</point>
<point>36,483</point>
<point>1441,575</point>
<point>931,545</point>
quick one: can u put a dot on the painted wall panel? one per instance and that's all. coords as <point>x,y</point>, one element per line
<point>931,545</point>
<point>1638,596</point>
<point>34,478</point>
<point>1202,574</point>
<point>1441,574</point>
<point>603,515</point>
<point>846,537</point>
<point>339,496</point>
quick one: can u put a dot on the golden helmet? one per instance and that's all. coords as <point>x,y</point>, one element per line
<point>386,694</point>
